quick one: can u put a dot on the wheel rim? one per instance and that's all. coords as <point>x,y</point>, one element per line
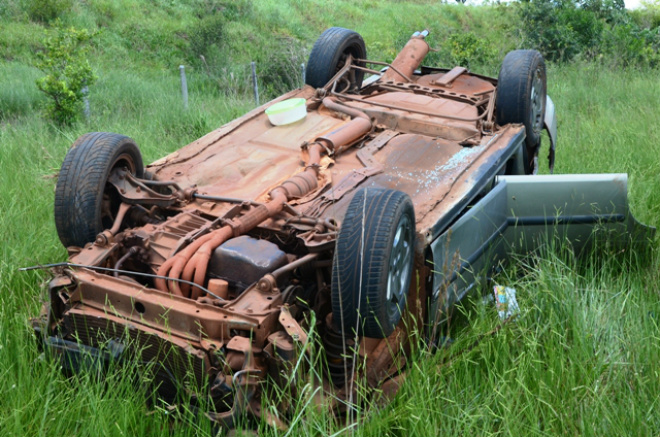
<point>537,101</point>
<point>398,277</point>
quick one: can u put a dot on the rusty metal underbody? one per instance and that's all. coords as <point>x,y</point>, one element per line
<point>226,266</point>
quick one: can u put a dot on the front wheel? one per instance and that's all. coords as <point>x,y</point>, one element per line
<point>373,262</point>
<point>85,203</point>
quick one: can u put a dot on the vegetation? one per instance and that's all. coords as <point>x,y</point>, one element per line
<point>68,73</point>
<point>591,29</point>
<point>579,360</point>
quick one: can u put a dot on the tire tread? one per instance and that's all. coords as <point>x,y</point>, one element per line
<point>513,88</point>
<point>362,258</point>
<point>326,52</point>
<point>82,178</point>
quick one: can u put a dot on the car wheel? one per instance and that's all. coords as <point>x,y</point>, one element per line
<point>373,262</point>
<point>329,55</point>
<point>85,203</point>
<point>521,98</point>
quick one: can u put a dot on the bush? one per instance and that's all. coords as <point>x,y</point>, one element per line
<point>648,16</point>
<point>206,34</point>
<point>46,11</point>
<point>559,29</point>
<point>592,29</point>
<point>467,49</point>
<point>279,71</point>
<point>628,45</point>
<point>611,11</point>
<point>67,72</point>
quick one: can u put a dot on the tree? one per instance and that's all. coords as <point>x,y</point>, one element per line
<point>67,72</point>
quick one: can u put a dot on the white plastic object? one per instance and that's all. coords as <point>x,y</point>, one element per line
<point>287,111</point>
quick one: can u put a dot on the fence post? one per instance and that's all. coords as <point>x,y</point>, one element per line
<point>184,86</point>
<point>302,71</point>
<point>254,82</point>
<point>86,111</point>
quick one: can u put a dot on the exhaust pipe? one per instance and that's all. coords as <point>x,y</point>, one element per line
<point>192,262</point>
<point>408,59</point>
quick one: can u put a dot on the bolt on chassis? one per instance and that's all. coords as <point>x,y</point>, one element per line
<point>371,216</point>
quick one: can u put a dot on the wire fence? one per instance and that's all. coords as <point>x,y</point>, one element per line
<point>254,77</point>
<point>236,80</point>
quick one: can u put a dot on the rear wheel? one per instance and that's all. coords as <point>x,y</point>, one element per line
<point>373,262</point>
<point>85,203</point>
<point>521,98</point>
<point>329,55</point>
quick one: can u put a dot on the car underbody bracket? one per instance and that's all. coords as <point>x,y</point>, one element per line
<point>291,326</point>
<point>356,177</point>
<point>134,191</point>
<point>447,79</point>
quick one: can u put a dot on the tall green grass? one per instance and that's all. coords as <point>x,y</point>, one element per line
<point>36,398</point>
<point>608,124</point>
<point>581,358</point>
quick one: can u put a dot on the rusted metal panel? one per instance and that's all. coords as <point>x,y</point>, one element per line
<point>157,310</point>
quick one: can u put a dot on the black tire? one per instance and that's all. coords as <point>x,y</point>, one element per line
<point>85,202</point>
<point>521,98</point>
<point>373,262</point>
<point>329,55</point>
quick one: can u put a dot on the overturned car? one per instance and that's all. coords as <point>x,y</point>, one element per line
<point>357,209</point>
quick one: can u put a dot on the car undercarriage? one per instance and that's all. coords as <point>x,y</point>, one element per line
<point>371,217</point>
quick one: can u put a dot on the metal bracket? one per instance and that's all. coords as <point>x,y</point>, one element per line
<point>291,326</point>
<point>447,79</point>
<point>134,191</point>
<point>356,177</point>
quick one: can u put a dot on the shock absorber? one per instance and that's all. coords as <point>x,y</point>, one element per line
<point>339,352</point>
